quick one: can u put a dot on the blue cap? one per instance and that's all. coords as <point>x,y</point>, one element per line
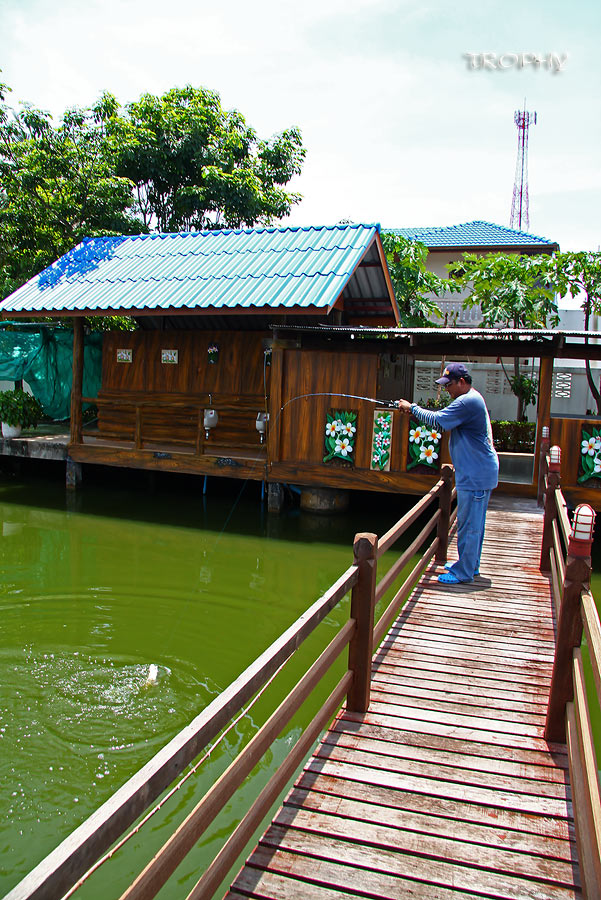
<point>452,372</point>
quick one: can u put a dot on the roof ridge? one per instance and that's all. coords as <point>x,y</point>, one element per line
<point>161,235</point>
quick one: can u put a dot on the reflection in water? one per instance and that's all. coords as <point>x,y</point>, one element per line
<point>93,595</point>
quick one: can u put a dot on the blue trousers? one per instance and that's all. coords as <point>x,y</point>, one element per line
<point>471,519</point>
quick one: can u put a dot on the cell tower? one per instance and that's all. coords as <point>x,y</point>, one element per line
<point>519,204</point>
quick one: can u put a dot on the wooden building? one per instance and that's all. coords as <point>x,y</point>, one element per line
<point>272,354</point>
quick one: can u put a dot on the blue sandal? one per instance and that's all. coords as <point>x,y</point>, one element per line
<point>449,578</point>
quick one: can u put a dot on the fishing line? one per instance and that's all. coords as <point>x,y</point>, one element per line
<point>386,403</point>
<point>109,855</point>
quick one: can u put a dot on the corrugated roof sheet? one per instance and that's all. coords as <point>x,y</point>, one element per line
<point>277,268</point>
<point>471,234</point>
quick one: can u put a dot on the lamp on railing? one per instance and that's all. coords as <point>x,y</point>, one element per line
<point>261,424</point>
<point>545,432</point>
<point>581,535</point>
<point>555,459</point>
<point>210,420</point>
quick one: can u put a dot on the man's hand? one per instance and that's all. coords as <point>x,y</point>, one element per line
<point>404,406</point>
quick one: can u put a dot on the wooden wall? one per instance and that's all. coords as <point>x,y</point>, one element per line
<point>163,401</point>
<point>238,372</point>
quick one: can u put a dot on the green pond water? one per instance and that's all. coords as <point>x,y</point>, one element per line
<point>95,587</point>
<point>98,586</point>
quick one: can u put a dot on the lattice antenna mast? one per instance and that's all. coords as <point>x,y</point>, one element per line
<point>519,203</point>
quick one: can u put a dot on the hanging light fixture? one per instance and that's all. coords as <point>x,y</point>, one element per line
<point>261,424</point>
<point>210,420</point>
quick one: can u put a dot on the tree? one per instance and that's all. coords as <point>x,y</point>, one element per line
<point>579,274</point>
<point>57,186</point>
<point>514,291</point>
<point>177,162</point>
<point>413,283</point>
<point>195,165</point>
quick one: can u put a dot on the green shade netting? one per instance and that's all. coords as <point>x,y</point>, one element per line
<point>44,359</point>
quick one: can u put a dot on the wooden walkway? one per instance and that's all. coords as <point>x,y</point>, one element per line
<point>446,788</point>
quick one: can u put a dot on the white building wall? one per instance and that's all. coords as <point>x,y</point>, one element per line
<point>570,391</point>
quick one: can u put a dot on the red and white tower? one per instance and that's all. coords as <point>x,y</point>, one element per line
<point>519,204</point>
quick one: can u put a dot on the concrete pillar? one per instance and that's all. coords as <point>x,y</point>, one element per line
<point>275,497</point>
<point>73,474</point>
<point>324,500</point>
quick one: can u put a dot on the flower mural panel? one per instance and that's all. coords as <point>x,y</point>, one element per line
<point>340,434</point>
<point>424,446</point>
<point>381,444</point>
<point>590,456</point>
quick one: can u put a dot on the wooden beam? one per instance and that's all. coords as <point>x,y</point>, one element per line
<point>77,381</point>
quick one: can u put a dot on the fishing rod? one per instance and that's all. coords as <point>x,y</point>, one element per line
<point>387,404</point>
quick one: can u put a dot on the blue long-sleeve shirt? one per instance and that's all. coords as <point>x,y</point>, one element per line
<point>470,444</point>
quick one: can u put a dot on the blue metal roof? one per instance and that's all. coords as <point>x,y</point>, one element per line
<point>472,235</point>
<point>279,268</point>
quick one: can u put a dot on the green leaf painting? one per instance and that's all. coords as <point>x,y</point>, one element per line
<point>424,446</point>
<point>382,440</point>
<point>590,455</point>
<point>341,431</point>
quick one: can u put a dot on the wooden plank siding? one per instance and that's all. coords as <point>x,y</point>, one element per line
<point>446,787</point>
<point>162,390</point>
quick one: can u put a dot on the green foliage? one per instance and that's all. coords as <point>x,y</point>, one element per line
<point>195,165</point>
<point>171,163</point>
<point>413,284</point>
<point>579,274</point>
<point>513,437</point>
<point>511,290</point>
<point>525,388</point>
<point>441,401</point>
<point>57,186</point>
<point>516,291</point>
<point>20,408</point>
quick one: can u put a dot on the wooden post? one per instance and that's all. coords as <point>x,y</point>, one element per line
<point>542,469</point>
<point>446,473</point>
<point>543,415</point>
<point>77,382</point>
<point>363,601</point>
<point>553,482</point>
<point>138,430</point>
<point>275,497</point>
<point>569,635</point>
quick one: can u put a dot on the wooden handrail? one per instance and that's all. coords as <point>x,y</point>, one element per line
<point>592,631</point>
<point>568,708</point>
<point>169,857</point>
<point>398,530</point>
<point>64,866</point>
<point>404,558</point>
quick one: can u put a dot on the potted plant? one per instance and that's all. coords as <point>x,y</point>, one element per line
<point>18,410</point>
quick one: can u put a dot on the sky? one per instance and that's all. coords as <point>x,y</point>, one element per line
<point>405,122</point>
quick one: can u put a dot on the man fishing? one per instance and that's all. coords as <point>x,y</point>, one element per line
<point>475,460</point>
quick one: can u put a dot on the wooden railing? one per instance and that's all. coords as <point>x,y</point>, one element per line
<point>568,712</point>
<point>67,866</point>
<point>189,429</point>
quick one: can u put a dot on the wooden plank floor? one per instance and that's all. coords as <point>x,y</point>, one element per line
<point>446,788</point>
